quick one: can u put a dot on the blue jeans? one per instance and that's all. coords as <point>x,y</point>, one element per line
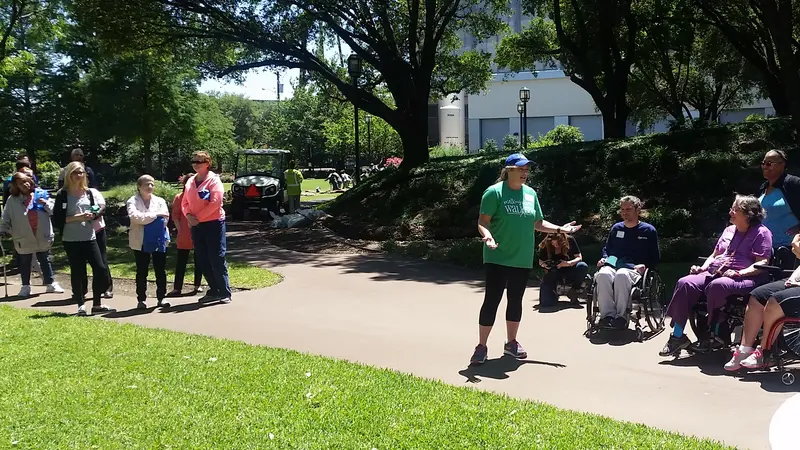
<point>25,267</point>
<point>572,275</point>
<point>210,246</point>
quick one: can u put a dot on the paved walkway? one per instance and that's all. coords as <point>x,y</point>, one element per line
<point>420,318</point>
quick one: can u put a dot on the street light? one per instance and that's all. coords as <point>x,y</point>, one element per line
<point>308,145</point>
<point>524,96</point>
<point>354,69</point>
<point>368,118</point>
<point>520,110</point>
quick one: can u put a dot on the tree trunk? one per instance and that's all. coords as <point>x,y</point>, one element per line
<point>615,118</point>
<point>779,21</point>
<point>147,131</point>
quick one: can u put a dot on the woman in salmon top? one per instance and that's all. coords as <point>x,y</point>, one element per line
<point>202,207</point>
<point>184,241</point>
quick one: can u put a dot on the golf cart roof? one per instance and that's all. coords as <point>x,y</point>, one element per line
<point>264,151</point>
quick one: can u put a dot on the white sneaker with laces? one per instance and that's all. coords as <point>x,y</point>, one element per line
<point>25,291</point>
<point>736,361</point>
<point>82,310</point>
<point>54,288</point>
<point>755,360</point>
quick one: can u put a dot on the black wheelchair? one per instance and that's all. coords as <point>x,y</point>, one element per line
<point>731,317</point>
<point>647,303</point>
<point>563,287</point>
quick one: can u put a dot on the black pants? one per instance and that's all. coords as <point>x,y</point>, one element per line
<point>102,244</point>
<point>499,278</point>
<point>143,268</point>
<point>78,255</point>
<point>180,269</point>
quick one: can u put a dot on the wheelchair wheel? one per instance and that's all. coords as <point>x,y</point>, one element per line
<point>789,339</point>
<point>592,311</point>
<point>698,320</point>
<point>653,299</point>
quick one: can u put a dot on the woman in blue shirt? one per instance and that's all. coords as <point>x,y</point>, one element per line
<point>780,198</point>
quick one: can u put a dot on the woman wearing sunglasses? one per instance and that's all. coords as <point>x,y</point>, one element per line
<point>202,208</point>
<point>780,197</point>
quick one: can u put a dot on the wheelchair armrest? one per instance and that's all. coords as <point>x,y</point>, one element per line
<point>774,270</point>
<point>702,259</point>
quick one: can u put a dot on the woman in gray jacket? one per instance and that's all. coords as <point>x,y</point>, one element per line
<point>27,218</point>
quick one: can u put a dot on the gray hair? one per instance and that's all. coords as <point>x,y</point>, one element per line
<point>144,179</point>
<point>635,201</point>
<point>751,208</point>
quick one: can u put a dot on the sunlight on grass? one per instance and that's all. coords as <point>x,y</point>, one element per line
<point>123,265</point>
<point>69,382</point>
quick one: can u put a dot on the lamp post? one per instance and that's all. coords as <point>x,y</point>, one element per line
<point>368,118</point>
<point>354,69</point>
<point>308,145</point>
<point>520,109</point>
<point>524,96</point>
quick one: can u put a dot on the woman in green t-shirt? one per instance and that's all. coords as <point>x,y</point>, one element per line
<point>509,213</point>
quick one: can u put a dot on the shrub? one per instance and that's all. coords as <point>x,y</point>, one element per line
<point>49,179</point>
<point>490,146</point>
<point>754,118</point>
<point>48,166</point>
<point>564,134</point>
<point>121,194</point>
<point>510,144</point>
<point>226,177</point>
<point>442,151</point>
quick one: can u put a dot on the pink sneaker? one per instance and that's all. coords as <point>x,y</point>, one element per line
<point>736,362</point>
<point>514,349</point>
<point>755,360</point>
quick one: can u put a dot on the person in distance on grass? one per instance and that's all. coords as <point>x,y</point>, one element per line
<point>729,270</point>
<point>561,258</point>
<point>184,243</point>
<point>26,217</point>
<point>202,207</point>
<point>148,237</point>
<point>631,248</point>
<point>77,208</point>
<point>509,214</point>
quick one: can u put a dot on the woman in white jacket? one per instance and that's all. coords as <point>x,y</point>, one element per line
<point>27,218</point>
<point>144,209</point>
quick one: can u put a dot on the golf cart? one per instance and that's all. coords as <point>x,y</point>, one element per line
<point>259,183</point>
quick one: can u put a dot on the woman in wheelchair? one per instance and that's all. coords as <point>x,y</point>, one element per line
<point>768,304</point>
<point>729,270</point>
<point>561,259</point>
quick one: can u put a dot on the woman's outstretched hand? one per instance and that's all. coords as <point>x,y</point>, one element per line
<point>570,227</point>
<point>490,242</point>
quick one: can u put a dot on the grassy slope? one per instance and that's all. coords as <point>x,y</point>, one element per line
<point>76,383</point>
<point>687,180</point>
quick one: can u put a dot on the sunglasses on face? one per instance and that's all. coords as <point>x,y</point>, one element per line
<point>769,163</point>
<point>197,161</point>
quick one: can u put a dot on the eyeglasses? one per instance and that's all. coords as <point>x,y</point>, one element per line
<point>769,163</point>
<point>197,161</point>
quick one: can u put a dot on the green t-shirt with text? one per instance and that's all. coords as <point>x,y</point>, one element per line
<point>513,215</point>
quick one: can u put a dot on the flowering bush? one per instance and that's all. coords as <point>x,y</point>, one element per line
<point>393,162</point>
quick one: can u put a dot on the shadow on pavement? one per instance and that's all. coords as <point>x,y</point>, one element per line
<point>771,381</point>
<point>560,306</point>
<point>187,307</point>
<point>498,368</point>
<point>50,303</point>
<point>133,312</point>
<point>711,364</point>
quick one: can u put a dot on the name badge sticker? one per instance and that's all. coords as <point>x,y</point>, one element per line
<point>620,234</point>
<point>64,206</point>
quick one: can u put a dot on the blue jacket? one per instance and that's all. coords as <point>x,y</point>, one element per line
<point>156,237</point>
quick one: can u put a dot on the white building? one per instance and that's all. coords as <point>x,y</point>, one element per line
<point>554,100</point>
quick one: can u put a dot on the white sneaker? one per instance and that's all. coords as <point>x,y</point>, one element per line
<point>755,360</point>
<point>82,310</point>
<point>54,288</point>
<point>25,291</point>
<point>736,361</point>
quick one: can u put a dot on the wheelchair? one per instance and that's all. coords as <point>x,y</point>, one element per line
<point>563,287</point>
<point>731,316</point>
<point>647,303</point>
<point>786,348</point>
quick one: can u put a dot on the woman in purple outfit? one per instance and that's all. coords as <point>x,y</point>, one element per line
<point>729,270</point>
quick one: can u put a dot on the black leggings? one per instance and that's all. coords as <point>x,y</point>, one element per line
<point>78,254</point>
<point>499,278</point>
<point>102,244</point>
<point>143,268</point>
<point>180,269</point>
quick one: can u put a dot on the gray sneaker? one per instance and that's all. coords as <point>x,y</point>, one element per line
<point>514,349</point>
<point>479,357</point>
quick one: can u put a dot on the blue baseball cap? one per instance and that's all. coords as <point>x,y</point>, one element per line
<point>517,160</point>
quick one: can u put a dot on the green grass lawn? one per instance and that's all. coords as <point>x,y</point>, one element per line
<point>69,382</point>
<point>123,265</point>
